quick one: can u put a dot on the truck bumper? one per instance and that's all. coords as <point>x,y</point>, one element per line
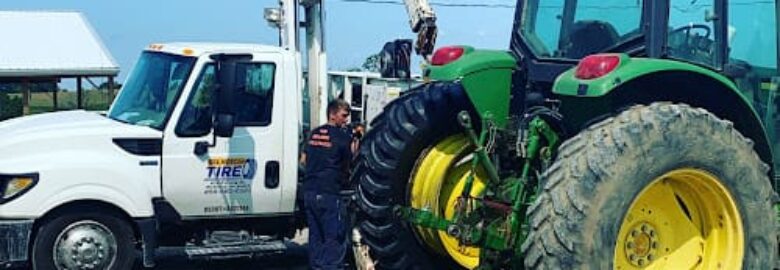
<point>14,241</point>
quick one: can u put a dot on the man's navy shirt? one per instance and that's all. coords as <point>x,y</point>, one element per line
<point>327,159</point>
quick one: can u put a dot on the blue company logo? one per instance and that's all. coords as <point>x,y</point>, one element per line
<point>231,168</point>
<point>250,167</point>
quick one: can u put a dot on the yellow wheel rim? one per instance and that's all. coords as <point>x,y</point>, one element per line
<point>437,181</point>
<point>685,219</point>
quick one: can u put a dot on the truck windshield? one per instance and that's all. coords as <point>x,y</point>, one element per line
<point>151,90</point>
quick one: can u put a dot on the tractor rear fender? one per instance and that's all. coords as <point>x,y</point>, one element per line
<point>486,75</point>
<point>644,81</point>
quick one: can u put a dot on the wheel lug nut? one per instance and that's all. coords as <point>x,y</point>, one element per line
<point>640,262</point>
<point>649,257</point>
<point>630,244</point>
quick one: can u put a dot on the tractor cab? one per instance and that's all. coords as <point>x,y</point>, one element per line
<point>737,39</point>
<point>726,36</point>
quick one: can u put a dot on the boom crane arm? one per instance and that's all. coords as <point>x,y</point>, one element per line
<point>422,20</point>
<point>286,18</point>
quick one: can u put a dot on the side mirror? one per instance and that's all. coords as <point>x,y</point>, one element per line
<point>227,83</point>
<point>223,125</point>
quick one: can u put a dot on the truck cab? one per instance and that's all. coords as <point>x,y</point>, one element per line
<point>199,150</point>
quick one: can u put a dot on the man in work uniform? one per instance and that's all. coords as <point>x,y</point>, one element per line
<point>326,157</point>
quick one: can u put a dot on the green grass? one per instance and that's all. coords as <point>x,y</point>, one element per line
<point>43,102</point>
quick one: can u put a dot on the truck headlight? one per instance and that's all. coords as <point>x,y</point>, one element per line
<point>12,186</point>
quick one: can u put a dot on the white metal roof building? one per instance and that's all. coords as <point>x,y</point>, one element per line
<point>45,43</point>
<point>47,46</point>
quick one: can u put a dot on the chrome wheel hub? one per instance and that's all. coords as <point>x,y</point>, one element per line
<point>85,245</point>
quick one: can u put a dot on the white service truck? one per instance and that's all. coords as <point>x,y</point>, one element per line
<point>198,152</point>
<point>82,190</point>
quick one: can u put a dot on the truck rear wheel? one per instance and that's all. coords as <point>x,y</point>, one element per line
<point>410,157</point>
<point>662,186</point>
<point>89,239</point>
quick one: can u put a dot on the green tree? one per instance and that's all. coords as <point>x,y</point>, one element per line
<point>10,107</point>
<point>372,63</point>
<point>104,85</point>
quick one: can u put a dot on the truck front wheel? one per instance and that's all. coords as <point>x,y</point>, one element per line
<point>84,240</point>
<point>664,186</point>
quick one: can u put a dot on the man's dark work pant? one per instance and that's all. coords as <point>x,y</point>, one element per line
<point>327,248</point>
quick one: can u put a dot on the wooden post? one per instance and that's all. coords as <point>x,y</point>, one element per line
<point>25,97</point>
<point>78,93</point>
<point>111,94</point>
<point>54,97</point>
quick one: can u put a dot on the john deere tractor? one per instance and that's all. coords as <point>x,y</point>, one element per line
<point>613,134</point>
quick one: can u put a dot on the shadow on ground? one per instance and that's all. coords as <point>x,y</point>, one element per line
<point>294,258</point>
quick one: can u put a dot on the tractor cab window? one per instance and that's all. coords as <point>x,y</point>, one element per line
<point>752,61</point>
<point>691,35</point>
<point>575,29</point>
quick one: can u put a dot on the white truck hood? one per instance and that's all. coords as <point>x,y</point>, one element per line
<point>70,131</point>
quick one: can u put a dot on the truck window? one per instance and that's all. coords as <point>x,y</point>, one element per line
<point>253,99</point>
<point>195,120</point>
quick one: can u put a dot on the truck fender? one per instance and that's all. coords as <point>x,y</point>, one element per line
<point>99,193</point>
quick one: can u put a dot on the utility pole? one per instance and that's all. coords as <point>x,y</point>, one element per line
<point>316,60</point>
<point>286,19</point>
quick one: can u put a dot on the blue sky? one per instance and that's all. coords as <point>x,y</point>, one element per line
<point>354,30</point>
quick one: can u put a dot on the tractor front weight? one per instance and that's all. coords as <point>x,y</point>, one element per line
<point>495,220</point>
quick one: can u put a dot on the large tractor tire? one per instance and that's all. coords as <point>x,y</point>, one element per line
<point>663,186</point>
<point>413,156</point>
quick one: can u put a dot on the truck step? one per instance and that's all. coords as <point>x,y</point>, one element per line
<point>235,251</point>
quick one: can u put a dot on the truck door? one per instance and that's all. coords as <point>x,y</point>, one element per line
<point>239,175</point>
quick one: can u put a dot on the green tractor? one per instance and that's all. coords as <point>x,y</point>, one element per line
<point>613,134</point>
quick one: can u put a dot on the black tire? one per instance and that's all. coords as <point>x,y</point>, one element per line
<point>598,173</point>
<point>398,136</point>
<point>48,233</point>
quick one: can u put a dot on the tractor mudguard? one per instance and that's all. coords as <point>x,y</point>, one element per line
<point>632,75</point>
<point>629,69</point>
<point>486,75</point>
